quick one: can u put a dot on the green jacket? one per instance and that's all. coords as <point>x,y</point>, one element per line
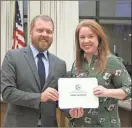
<point>115,76</point>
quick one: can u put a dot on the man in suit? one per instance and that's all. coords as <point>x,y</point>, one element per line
<point>29,79</point>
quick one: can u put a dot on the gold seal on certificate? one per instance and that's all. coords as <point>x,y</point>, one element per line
<point>77,92</point>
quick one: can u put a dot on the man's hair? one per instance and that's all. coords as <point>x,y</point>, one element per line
<point>43,17</point>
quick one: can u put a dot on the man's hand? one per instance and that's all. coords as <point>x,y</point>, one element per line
<point>76,112</point>
<point>49,94</point>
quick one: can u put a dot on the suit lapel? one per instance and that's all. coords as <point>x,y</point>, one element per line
<point>51,69</point>
<point>30,59</point>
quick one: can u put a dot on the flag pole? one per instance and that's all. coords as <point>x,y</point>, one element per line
<point>14,22</point>
<point>14,15</point>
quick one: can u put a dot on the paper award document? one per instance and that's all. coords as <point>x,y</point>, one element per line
<point>77,92</point>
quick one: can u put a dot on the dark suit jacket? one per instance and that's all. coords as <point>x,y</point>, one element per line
<point>21,89</point>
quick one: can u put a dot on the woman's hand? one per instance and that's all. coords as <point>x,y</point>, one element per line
<point>100,91</point>
<point>76,112</point>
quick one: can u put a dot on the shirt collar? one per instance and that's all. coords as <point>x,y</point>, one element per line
<point>35,52</point>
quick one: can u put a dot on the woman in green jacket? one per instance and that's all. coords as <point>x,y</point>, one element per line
<point>93,59</point>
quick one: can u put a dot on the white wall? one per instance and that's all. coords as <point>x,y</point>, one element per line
<point>7,20</point>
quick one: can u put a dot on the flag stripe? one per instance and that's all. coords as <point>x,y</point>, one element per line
<point>20,32</point>
<point>20,38</point>
<point>21,43</point>
<point>19,27</point>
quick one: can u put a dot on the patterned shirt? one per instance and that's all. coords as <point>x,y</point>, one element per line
<point>114,76</point>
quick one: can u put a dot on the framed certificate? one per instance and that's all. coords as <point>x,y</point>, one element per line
<point>77,92</point>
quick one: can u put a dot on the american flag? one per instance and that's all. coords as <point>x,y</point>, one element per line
<point>18,33</point>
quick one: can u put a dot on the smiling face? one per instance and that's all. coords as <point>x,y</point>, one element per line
<point>88,40</point>
<point>42,34</point>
